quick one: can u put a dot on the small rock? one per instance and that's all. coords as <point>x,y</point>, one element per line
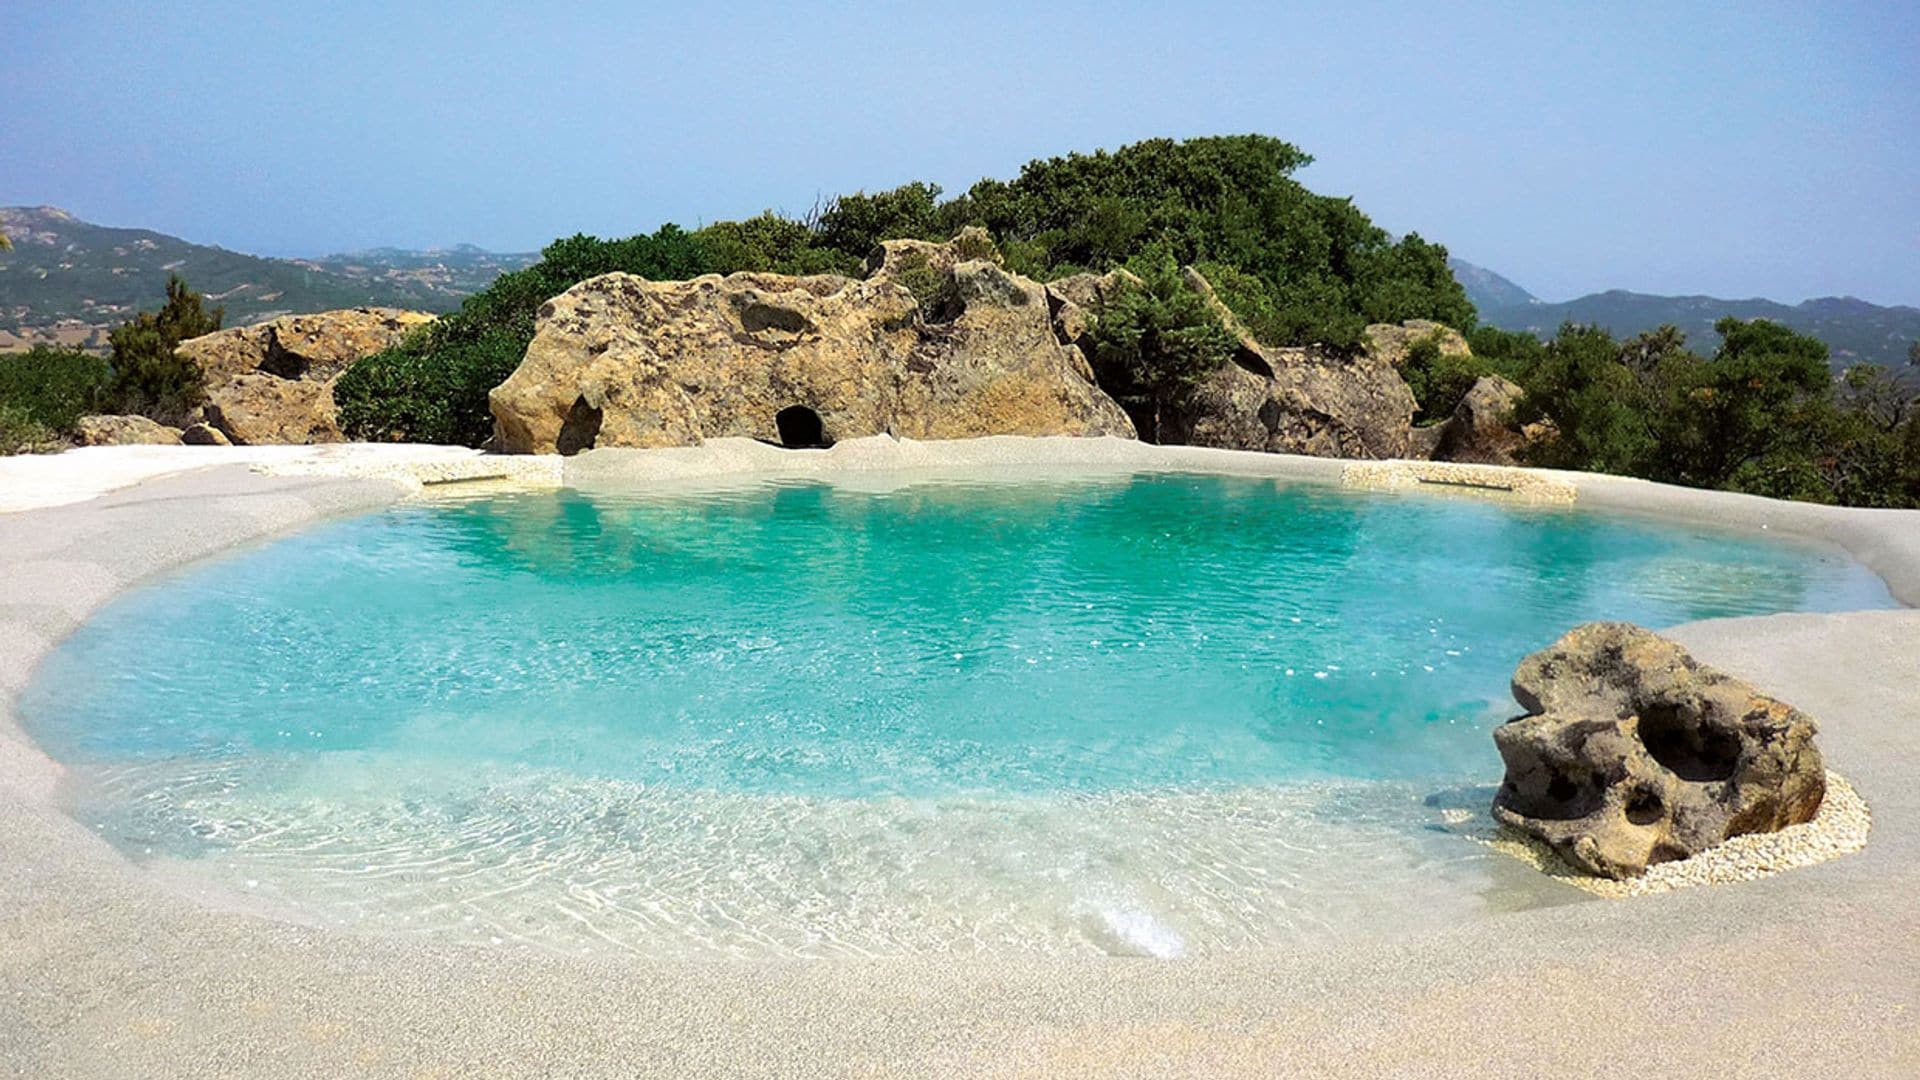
<point>204,435</point>
<point>1632,753</point>
<point>123,431</point>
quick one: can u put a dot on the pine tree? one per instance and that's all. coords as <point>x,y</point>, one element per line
<point>148,378</point>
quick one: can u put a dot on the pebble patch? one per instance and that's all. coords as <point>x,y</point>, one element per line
<point>1840,828</point>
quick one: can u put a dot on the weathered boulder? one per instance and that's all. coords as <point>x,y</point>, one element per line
<point>1073,300</point>
<point>320,345</point>
<point>1301,400</point>
<point>204,434</point>
<point>968,349</point>
<point>1390,342</point>
<point>123,431</point>
<point>273,382</point>
<point>1632,753</point>
<point>256,408</point>
<point>1484,427</point>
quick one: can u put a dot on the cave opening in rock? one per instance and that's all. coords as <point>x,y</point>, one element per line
<point>801,429</point>
<point>580,430</point>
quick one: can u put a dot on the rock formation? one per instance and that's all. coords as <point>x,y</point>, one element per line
<point>1302,400</point>
<point>1633,753</point>
<point>273,382</point>
<point>1484,429</point>
<point>123,431</point>
<point>932,345</point>
<point>1390,343</point>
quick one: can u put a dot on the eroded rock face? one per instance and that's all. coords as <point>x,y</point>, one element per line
<point>1391,342</point>
<point>1296,400</point>
<point>123,431</point>
<point>256,408</point>
<point>273,382</point>
<point>1483,427</point>
<point>1632,753</point>
<point>621,361</point>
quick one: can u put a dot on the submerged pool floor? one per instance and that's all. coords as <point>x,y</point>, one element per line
<point>1160,714</point>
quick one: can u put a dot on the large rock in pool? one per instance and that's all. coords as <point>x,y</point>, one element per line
<point>933,345</point>
<point>272,382</point>
<point>1632,753</point>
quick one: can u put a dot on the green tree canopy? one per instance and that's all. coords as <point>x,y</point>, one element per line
<point>1325,269</point>
<point>1153,342</point>
<point>148,378</point>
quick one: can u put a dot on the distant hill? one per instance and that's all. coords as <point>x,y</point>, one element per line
<point>1856,332</point>
<point>458,271</point>
<point>70,281</point>
<point>1487,289</point>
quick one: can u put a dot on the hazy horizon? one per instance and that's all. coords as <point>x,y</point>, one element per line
<point>1757,151</point>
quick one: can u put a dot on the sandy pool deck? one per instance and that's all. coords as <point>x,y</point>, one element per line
<point>107,971</point>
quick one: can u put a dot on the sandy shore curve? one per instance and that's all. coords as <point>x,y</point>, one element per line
<point>105,971</point>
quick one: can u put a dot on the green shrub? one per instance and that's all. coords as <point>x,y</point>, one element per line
<point>1325,270</point>
<point>53,387</point>
<point>148,378</point>
<point>1151,344</point>
<point>919,277</point>
<point>1439,379</point>
<point>432,395</point>
<point>976,244</point>
<point>20,433</point>
<point>852,226</point>
<point>769,243</point>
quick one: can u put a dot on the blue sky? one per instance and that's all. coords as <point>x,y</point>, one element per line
<point>1737,149</point>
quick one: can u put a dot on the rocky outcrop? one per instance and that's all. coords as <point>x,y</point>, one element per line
<point>273,382</point>
<point>1484,427</point>
<point>123,431</point>
<point>1074,300</point>
<point>1632,753</point>
<point>1295,400</point>
<point>932,346</point>
<point>255,408</point>
<point>1391,342</point>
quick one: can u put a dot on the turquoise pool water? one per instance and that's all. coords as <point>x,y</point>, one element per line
<point>1154,714</point>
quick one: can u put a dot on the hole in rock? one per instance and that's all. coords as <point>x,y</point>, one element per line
<point>1644,808</point>
<point>801,429</point>
<point>1666,853</point>
<point>758,317</point>
<point>580,429</point>
<point>1564,796</point>
<point>1687,745</point>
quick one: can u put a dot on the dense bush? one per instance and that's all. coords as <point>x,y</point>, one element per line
<point>433,386</point>
<point>1152,343</point>
<point>1323,270</point>
<point>1762,415</point>
<point>1440,379</point>
<point>44,390</point>
<point>148,378</point>
<point>430,395</point>
<point>770,243</point>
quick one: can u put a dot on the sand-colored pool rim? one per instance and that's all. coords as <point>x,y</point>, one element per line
<point>106,969</point>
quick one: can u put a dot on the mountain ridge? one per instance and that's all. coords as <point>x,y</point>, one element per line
<point>1856,331</point>
<point>69,281</point>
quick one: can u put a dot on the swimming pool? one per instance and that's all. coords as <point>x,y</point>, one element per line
<point>1156,714</point>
